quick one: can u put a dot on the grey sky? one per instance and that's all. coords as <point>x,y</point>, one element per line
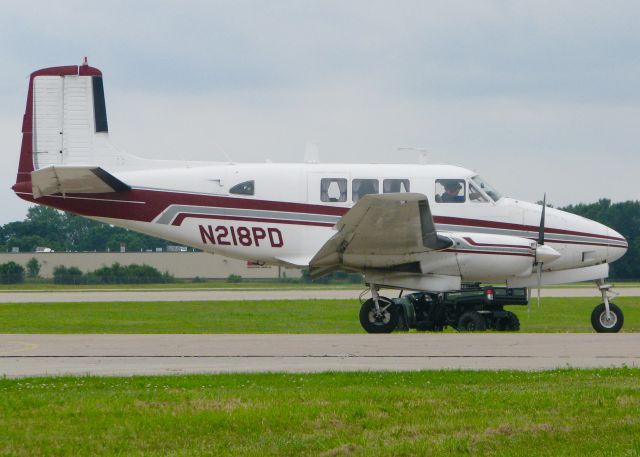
<point>537,96</point>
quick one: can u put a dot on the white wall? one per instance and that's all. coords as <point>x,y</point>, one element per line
<point>179,264</point>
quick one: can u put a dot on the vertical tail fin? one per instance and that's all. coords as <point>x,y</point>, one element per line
<point>65,121</point>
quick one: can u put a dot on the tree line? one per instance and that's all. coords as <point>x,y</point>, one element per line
<point>60,231</point>
<point>67,232</point>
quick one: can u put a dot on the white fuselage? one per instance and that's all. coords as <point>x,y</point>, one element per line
<point>287,218</point>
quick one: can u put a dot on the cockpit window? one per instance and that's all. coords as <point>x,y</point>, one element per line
<point>475,196</point>
<point>486,188</point>
<point>362,187</point>
<point>333,189</point>
<point>450,190</point>
<point>395,185</point>
<point>244,188</point>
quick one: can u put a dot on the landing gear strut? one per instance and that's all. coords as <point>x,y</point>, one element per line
<point>606,317</point>
<point>379,314</point>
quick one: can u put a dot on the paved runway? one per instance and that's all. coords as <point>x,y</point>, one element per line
<point>235,294</point>
<point>32,355</point>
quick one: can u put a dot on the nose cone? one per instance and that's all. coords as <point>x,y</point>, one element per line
<point>617,245</point>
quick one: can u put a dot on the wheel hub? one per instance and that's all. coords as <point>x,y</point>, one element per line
<point>379,317</point>
<point>608,322</point>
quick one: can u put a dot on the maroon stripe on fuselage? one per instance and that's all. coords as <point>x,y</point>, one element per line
<point>510,226</point>
<point>182,216</point>
<point>155,202</point>
<point>120,206</point>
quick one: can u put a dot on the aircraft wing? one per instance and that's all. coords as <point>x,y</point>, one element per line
<point>58,179</point>
<point>381,231</point>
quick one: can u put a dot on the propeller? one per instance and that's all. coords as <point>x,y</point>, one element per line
<point>541,243</point>
<point>544,254</point>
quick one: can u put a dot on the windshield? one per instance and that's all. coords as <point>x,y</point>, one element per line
<point>484,185</point>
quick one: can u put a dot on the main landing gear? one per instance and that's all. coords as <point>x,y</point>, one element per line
<point>606,317</point>
<point>379,314</point>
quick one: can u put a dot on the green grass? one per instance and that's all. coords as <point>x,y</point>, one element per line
<point>562,412</point>
<point>268,316</point>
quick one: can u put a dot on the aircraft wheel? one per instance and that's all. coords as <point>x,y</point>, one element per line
<point>471,321</point>
<point>509,323</point>
<point>384,321</point>
<point>602,324</point>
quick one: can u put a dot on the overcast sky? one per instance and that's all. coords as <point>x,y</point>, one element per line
<point>537,96</point>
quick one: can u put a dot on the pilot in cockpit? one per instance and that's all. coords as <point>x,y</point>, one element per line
<point>451,194</point>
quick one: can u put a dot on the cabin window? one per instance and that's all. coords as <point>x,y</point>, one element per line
<point>333,189</point>
<point>362,187</point>
<point>395,185</point>
<point>244,188</point>
<point>450,190</point>
<point>476,196</point>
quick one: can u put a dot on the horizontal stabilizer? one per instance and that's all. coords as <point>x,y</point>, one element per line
<point>58,179</point>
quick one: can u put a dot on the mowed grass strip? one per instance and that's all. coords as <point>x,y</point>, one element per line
<point>268,316</point>
<point>564,412</point>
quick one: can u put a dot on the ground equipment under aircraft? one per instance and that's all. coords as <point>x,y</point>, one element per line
<point>473,308</point>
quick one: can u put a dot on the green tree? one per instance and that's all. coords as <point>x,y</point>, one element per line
<point>33,268</point>
<point>70,275</point>
<point>11,273</point>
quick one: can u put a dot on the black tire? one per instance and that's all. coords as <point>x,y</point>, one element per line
<point>599,319</point>
<point>385,322</point>
<point>471,321</point>
<point>508,323</point>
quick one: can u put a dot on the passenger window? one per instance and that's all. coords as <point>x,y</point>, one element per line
<point>395,185</point>
<point>476,196</point>
<point>333,190</point>
<point>450,190</point>
<point>244,188</point>
<point>362,187</point>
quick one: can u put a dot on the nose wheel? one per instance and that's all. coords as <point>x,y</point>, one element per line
<point>606,317</point>
<point>604,322</point>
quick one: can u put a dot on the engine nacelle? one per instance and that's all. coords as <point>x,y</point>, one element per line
<point>485,257</point>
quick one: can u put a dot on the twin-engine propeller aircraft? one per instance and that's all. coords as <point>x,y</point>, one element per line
<point>419,227</point>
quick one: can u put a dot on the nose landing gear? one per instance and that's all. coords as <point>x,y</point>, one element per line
<point>606,317</point>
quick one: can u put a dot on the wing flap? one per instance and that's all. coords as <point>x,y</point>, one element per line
<point>57,179</point>
<point>380,231</point>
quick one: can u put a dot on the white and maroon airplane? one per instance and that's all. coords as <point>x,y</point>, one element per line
<point>419,227</point>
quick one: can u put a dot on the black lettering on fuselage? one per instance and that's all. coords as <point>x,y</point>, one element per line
<point>229,235</point>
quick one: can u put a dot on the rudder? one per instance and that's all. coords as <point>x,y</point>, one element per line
<point>65,121</point>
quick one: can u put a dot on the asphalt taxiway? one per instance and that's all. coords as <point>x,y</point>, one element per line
<point>39,355</point>
<point>94,295</point>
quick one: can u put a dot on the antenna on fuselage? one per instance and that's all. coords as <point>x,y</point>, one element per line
<point>311,152</point>
<point>422,153</point>
<point>224,153</point>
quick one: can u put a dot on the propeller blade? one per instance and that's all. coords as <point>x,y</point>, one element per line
<point>539,281</point>
<point>541,228</point>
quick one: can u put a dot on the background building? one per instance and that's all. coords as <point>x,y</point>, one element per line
<point>179,264</point>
